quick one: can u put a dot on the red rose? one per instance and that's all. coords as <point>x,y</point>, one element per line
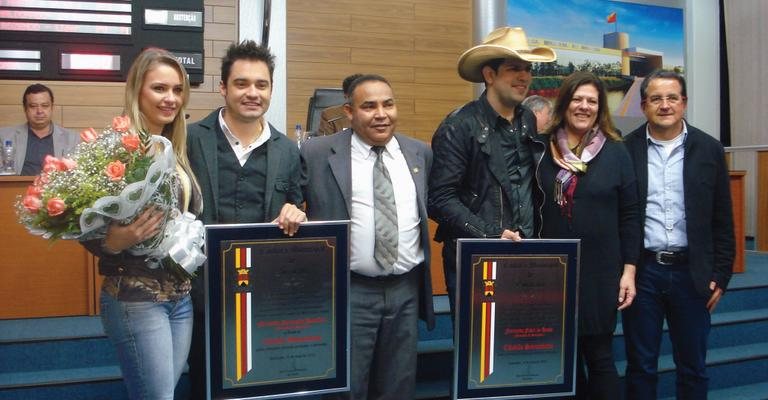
<point>115,170</point>
<point>68,164</point>
<point>50,163</point>
<point>32,203</point>
<point>121,123</point>
<point>55,206</point>
<point>89,135</point>
<point>131,142</point>
<point>34,190</point>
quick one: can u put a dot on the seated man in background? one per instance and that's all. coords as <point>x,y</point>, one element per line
<point>333,119</point>
<point>39,136</point>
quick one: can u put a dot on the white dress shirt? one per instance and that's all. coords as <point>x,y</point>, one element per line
<point>242,152</point>
<point>362,230</point>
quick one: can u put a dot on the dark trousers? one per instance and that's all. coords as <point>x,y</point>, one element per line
<point>596,375</point>
<point>384,334</point>
<point>666,291</point>
<point>449,272</point>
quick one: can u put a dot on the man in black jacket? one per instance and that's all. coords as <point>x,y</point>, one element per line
<point>486,153</point>
<point>247,170</point>
<point>688,238</point>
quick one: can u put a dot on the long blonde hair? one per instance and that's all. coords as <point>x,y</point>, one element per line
<point>176,131</point>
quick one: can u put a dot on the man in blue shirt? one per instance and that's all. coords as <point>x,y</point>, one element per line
<point>688,238</point>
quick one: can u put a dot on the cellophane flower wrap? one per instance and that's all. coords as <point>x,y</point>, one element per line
<point>114,176</point>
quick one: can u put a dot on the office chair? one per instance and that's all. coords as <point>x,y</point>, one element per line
<point>320,100</point>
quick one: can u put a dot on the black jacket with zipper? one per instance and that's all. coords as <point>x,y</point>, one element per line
<point>469,187</point>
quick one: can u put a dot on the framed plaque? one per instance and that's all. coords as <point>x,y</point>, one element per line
<point>516,319</point>
<point>277,310</point>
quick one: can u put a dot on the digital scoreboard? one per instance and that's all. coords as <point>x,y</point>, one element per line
<point>96,40</point>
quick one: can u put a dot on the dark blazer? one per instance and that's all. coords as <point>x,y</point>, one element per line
<point>606,218</point>
<point>708,212</point>
<point>328,191</point>
<point>283,169</point>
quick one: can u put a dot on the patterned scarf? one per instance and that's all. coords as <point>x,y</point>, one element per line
<point>571,165</point>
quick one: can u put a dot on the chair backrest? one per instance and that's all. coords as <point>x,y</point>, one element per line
<point>320,100</point>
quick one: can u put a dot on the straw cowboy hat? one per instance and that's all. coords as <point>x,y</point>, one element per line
<point>504,42</point>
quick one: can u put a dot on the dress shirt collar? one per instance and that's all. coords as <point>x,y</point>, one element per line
<point>682,136</point>
<point>366,150</point>
<point>266,133</point>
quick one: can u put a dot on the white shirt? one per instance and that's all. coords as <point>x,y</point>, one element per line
<point>241,152</point>
<point>362,230</point>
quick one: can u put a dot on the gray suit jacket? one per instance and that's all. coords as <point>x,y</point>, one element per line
<point>328,191</point>
<point>283,171</point>
<point>64,141</point>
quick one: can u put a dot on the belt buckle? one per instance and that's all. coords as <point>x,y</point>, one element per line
<point>664,257</point>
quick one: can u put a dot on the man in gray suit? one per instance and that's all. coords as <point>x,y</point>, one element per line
<point>248,171</point>
<point>39,136</point>
<point>352,175</point>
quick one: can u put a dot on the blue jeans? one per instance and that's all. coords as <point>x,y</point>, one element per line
<point>666,291</point>
<point>152,342</point>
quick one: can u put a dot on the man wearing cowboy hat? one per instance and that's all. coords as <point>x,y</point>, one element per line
<point>486,153</point>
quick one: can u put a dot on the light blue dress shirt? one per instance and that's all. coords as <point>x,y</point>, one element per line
<point>665,210</point>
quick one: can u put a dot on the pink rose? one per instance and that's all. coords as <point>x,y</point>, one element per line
<point>68,164</point>
<point>41,180</point>
<point>32,203</point>
<point>115,170</point>
<point>51,163</point>
<point>89,135</point>
<point>34,190</point>
<point>131,142</point>
<point>55,206</point>
<point>121,123</point>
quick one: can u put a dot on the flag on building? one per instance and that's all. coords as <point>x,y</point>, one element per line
<point>611,18</point>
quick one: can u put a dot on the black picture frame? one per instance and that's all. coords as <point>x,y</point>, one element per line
<point>277,310</point>
<point>516,308</point>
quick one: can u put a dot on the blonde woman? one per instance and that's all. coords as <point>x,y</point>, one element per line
<point>147,312</point>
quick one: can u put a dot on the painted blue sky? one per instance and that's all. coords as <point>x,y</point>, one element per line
<point>583,21</point>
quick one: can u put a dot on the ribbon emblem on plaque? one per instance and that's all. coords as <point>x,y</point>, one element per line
<point>243,318</point>
<point>488,320</point>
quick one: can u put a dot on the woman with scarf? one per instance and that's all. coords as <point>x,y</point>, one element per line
<point>591,194</point>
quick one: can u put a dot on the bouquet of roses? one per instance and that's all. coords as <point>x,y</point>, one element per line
<point>114,176</point>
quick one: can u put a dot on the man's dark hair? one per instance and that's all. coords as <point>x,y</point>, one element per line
<point>494,64</point>
<point>246,50</point>
<point>662,74</point>
<point>348,82</point>
<point>362,79</point>
<point>34,89</point>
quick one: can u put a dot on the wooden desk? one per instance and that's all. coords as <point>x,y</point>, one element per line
<point>39,278</point>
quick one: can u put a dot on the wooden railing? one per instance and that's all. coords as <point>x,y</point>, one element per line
<point>756,187</point>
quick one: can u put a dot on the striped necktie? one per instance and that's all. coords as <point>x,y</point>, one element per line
<point>384,214</point>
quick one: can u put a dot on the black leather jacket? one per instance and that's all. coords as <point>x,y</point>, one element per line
<point>469,190</point>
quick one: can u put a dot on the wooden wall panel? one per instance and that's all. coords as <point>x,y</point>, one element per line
<point>415,44</point>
